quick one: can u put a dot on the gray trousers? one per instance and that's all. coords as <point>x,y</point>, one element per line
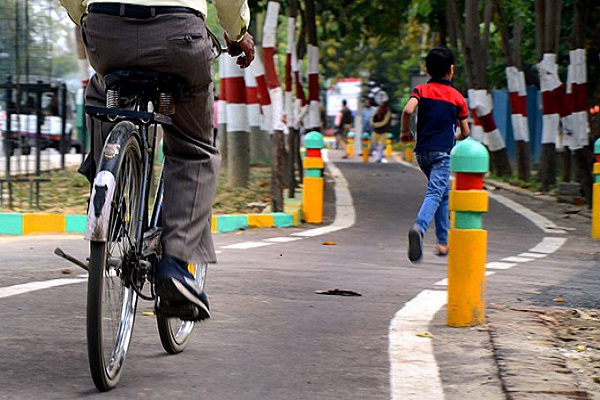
<point>176,44</point>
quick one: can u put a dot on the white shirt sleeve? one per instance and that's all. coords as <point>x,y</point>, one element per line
<point>234,17</point>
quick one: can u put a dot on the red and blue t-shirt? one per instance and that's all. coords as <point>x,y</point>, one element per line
<point>441,106</point>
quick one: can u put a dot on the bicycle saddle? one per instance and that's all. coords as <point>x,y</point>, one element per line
<point>133,81</point>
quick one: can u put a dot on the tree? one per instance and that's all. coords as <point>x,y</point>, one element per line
<point>474,40</point>
<point>515,78</point>
<point>547,14</point>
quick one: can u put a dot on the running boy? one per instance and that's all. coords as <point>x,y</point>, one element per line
<point>441,108</point>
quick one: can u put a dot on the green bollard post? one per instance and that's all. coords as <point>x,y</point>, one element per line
<point>467,241</point>
<point>596,193</point>
<point>312,183</point>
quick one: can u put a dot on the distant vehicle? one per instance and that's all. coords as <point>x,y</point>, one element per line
<point>24,120</point>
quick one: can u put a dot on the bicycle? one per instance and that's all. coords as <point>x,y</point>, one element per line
<point>124,224</point>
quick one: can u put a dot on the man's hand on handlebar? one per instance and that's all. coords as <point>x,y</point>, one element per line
<point>244,49</point>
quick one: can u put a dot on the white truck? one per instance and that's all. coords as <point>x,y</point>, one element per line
<point>24,120</point>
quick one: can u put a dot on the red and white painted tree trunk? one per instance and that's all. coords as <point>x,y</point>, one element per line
<point>518,106</point>
<point>269,41</point>
<point>238,145</point>
<point>481,104</point>
<point>552,95</point>
<point>222,111</point>
<point>301,103</point>
<point>289,60</point>
<point>314,113</point>
<point>276,93</point>
<point>518,103</point>
<point>480,101</point>
<point>260,148</point>
<point>577,122</point>
<point>264,98</point>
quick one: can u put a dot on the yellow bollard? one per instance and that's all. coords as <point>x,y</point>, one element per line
<point>350,144</point>
<point>388,145</point>
<point>312,183</point>
<point>596,193</point>
<point>366,144</point>
<point>467,241</point>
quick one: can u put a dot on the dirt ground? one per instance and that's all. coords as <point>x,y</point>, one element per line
<point>577,335</point>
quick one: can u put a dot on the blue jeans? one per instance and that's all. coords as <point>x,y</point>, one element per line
<point>436,166</point>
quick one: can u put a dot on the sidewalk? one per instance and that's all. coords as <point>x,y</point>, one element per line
<point>526,350</point>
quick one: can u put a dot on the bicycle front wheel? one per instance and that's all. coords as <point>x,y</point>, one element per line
<point>111,301</point>
<point>175,333</point>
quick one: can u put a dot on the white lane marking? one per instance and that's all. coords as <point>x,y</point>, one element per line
<point>344,206</point>
<point>246,245</point>
<point>282,239</point>
<point>517,259</point>
<point>532,255</point>
<point>499,265</point>
<point>538,220</point>
<point>33,286</point>
<point>414,374</point>
<point>444,282</point>
<point>548,245</point>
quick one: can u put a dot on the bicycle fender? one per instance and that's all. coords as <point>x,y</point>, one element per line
<point>99,208</point>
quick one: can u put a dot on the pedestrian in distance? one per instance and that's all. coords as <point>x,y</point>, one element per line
<point>442,113</point>
<point>169,37</point>
<point>381,121</point>
<point>367,113</point>
<point>343,126</point>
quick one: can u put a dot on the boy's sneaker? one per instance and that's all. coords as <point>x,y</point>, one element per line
<point>415,245</point>
<point>175,285</point>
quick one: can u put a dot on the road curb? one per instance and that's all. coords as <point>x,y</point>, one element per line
<point>35,223</point>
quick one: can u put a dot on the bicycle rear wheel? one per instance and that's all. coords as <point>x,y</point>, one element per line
<point>175,333</point>
<point>111,301</point>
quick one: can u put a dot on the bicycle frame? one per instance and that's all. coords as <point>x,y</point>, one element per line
<point>147,235</point>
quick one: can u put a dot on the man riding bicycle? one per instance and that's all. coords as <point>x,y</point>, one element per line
<point>169,36</point>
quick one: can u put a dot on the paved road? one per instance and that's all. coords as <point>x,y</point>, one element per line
<point>272,335</point>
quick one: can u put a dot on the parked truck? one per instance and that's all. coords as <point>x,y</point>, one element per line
<point>26,106</point>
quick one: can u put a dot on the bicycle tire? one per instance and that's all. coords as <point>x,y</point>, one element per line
<point>111,301</point>
<point>175,333</point>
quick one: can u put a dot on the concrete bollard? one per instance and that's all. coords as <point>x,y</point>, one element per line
<point>596,193</point>
<point>350,144</point>
<point>388,145</point>
<point>366,143</point>
<point>409,148</point>
<point>312,183</point>
<point>467,241</point>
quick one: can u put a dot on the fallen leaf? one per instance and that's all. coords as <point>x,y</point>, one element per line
<point>559,300</point>
<point>328,243</point>
<point>424,334</point>
<point>338,292</point>
<point>581,348</point>
<point>67,271</point>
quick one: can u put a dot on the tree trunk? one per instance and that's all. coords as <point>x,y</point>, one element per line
<point>278,144</point>
<point>238,137</point>
<point>222,112</point>
<point>548,31</point>
<point>579,121</point>
<point>277,171</point>
<point>314,112</point>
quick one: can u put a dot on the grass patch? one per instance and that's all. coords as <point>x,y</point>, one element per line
<point>68,192</point>
<point>533,185</point>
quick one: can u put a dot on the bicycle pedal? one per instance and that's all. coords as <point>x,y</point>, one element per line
<point>186,312</point>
